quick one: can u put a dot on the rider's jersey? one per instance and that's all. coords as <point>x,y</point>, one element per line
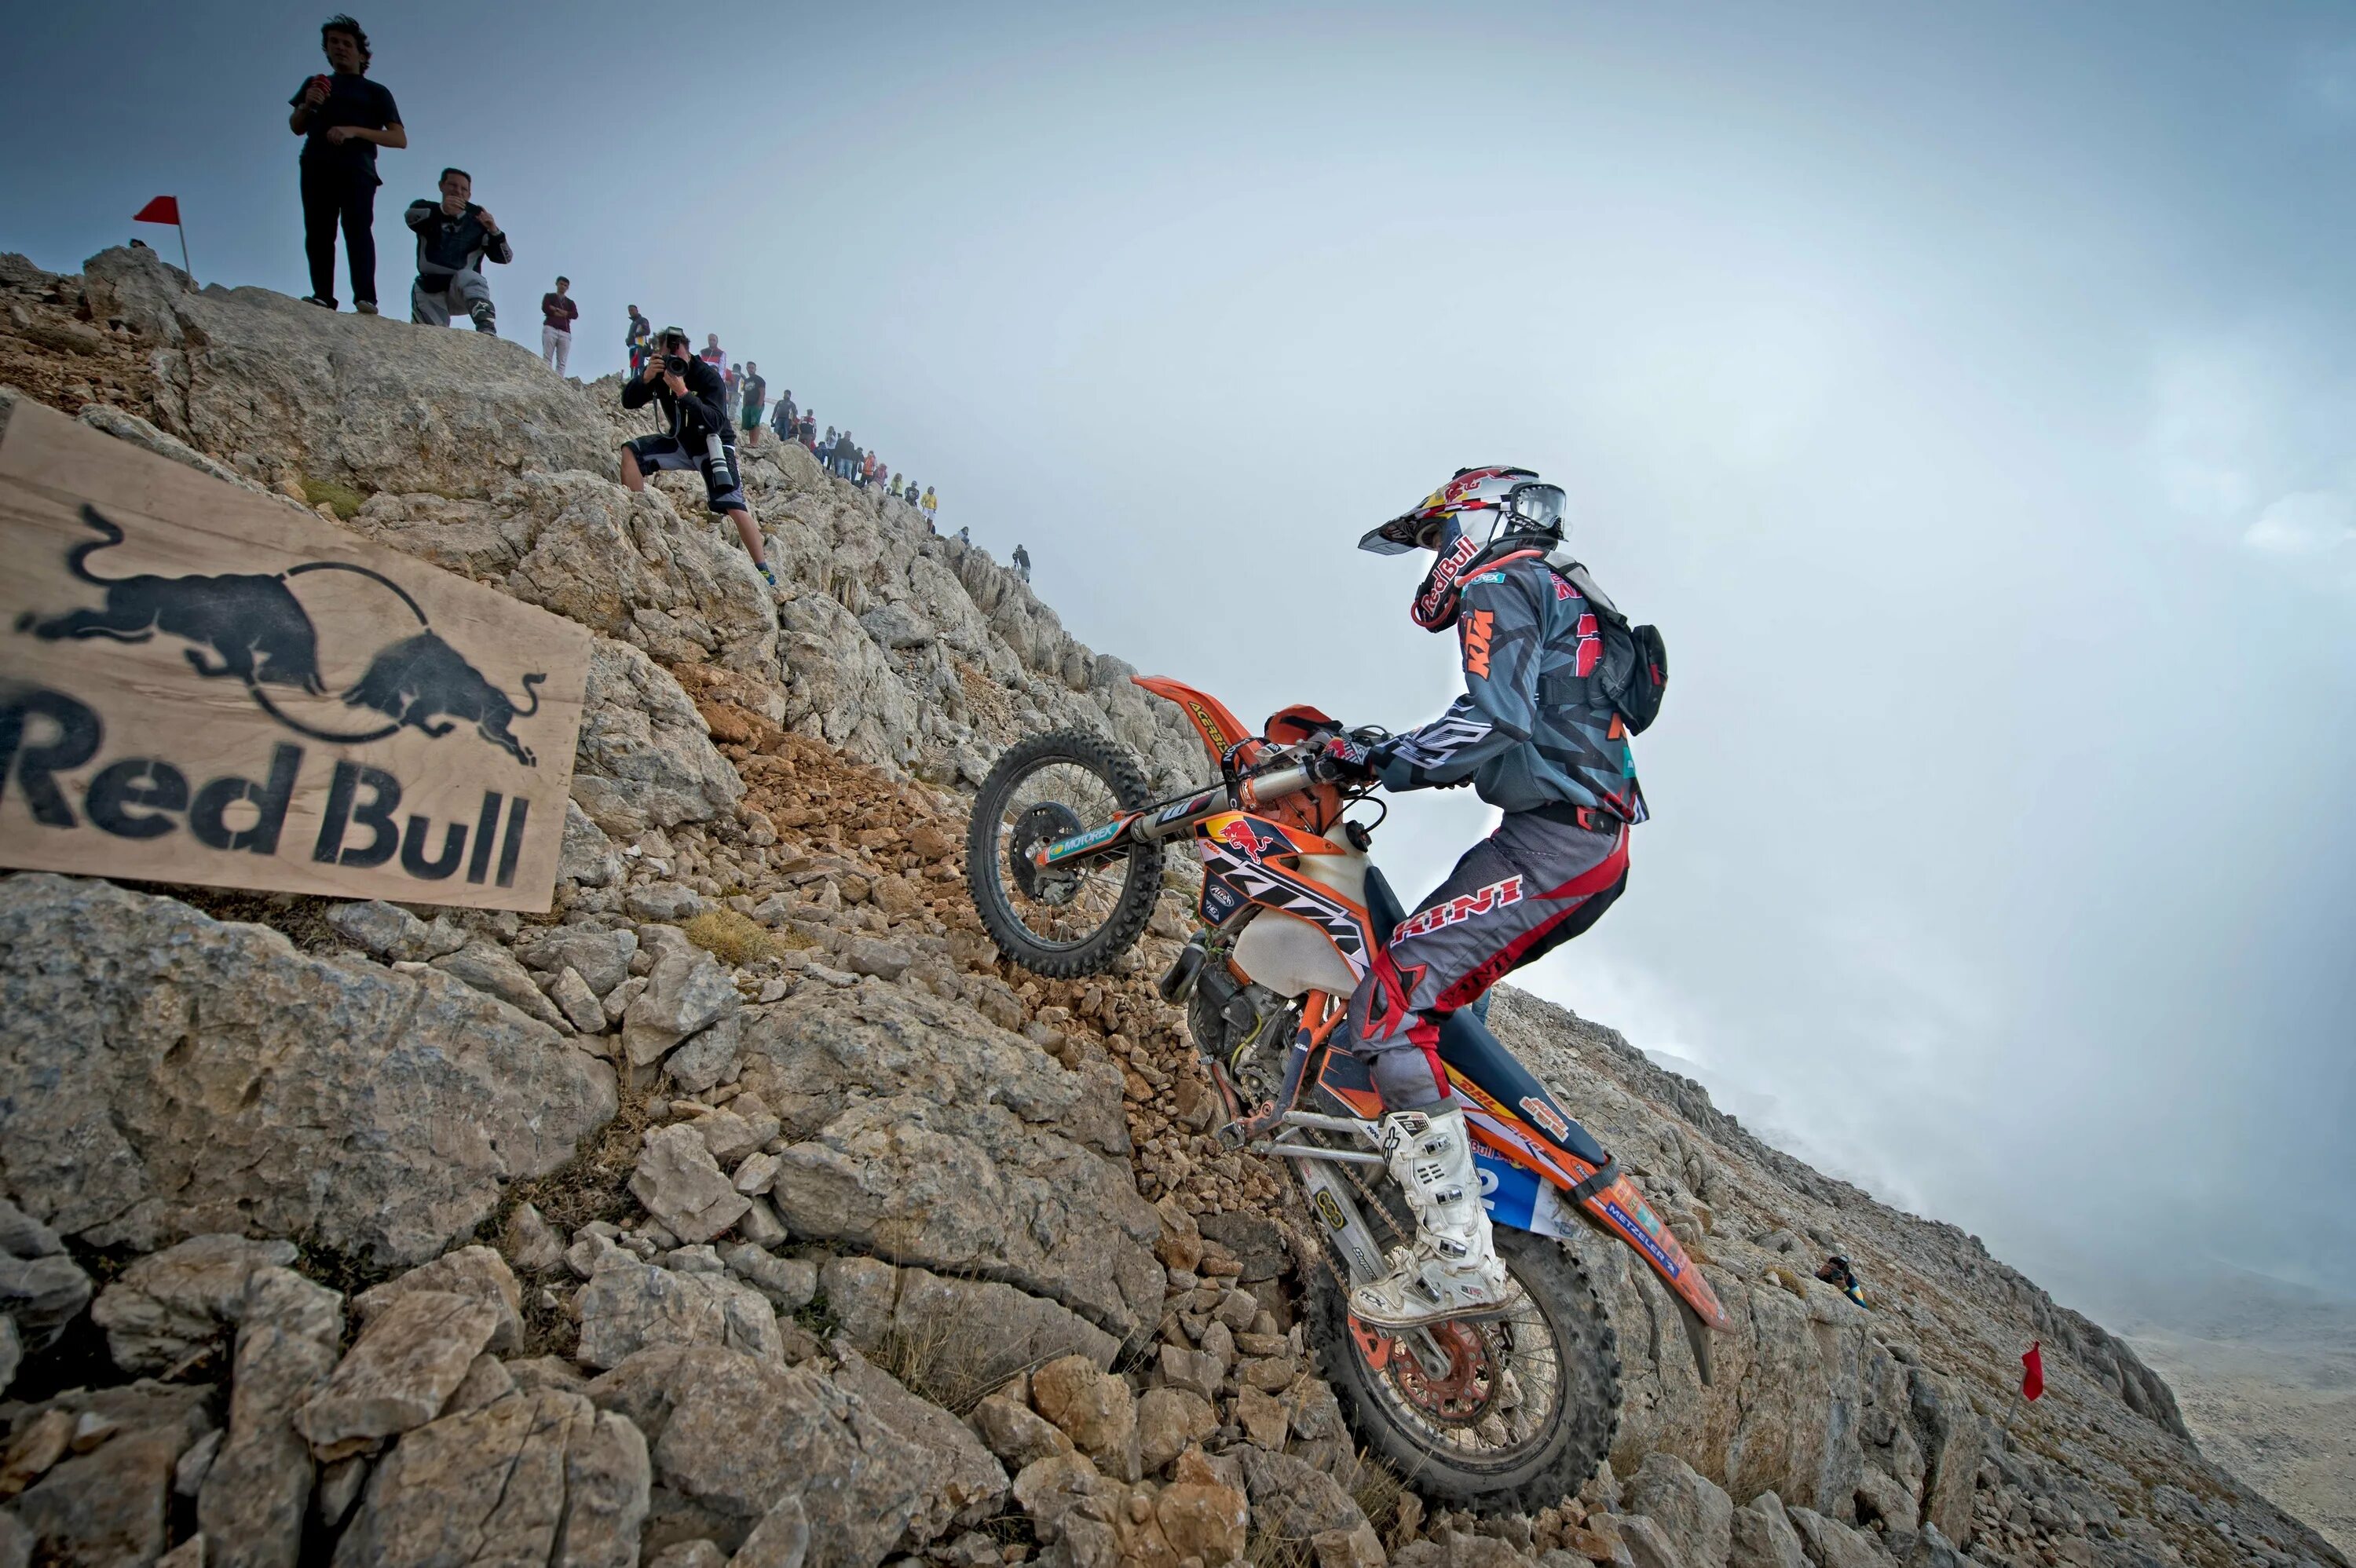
<point>1531,729</point>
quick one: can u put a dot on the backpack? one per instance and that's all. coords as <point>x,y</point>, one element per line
<point>1633,674</point>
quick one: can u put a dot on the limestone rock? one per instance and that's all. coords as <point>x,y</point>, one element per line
<point>1205,1521</point>
<point>602,958</point>
<point>682,1185</point>
<point>1761,1536</point>
<point>928,1135</point>
<point>1697,1515</point>
<point>961,1482</point>
<point>1832,1544</point>
<point>400,1373</point>
<point>257,1489</point>
<point>1167,1420</point>
<point>1016,1432</point>
<point>170,1309</point>
<point>487,968</point>
<point>535,1477</point>
<point>390,933</point>
<point>1290,1499</point>
<point>531,1244</point>
<point>789,1284</point>
<point>630,1306</point>
<point>863,1485</point>
<point>373,1110</point>
<point>685,992</point>
<point>1649,1545</point>
<point>1093,1407</point>
<point>475,1271</point>
<point>586,856</point>
<point>958,1337</point>
<point>645,759</point>
<point>113,1503</point>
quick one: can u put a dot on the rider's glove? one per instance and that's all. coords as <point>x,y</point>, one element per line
<point>1349,758</point>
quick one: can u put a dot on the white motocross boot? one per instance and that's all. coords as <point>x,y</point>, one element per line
<point>1451,1270</point>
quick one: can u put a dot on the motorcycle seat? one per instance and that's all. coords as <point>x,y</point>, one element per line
<point>1467,1046</point>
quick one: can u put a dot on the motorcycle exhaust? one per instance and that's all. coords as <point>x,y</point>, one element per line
<point>1177,982</point>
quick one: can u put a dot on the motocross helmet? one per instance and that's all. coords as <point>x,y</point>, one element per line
<point>1480,512</point>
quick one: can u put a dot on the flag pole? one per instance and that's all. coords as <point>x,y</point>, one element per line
<point>191,271</point>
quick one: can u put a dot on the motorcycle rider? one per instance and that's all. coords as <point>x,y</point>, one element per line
<point>1537,736</point>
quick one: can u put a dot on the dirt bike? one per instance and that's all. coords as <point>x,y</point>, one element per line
<point>1512,1408</point>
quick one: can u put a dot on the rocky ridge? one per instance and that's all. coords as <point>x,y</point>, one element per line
<point>745,1210</point>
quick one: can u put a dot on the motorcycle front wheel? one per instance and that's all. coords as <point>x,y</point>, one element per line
<point>1070,921</point>
<point>1527,1402</point>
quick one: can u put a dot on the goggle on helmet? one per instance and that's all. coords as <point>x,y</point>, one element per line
<point>1452,523</point>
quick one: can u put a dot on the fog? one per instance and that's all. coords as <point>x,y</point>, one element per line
<point>1967,395</point>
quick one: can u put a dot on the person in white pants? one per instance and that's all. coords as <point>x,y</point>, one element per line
<point>557,311</point>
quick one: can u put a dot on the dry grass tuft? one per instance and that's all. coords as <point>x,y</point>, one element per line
<point>731,937</point>
<point>341,499</point>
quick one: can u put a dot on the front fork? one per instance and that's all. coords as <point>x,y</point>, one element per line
<point>1335,1209</point>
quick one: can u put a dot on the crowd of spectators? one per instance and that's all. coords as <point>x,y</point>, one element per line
<point>344,118</point>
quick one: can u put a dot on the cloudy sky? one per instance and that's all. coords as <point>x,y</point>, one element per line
<point>1966,392</point>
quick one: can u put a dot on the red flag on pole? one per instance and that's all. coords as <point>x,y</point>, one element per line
<point>163,209</point>
<point>2032,1372</point>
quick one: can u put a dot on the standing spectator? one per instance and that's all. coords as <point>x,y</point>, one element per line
<point>455,238</point>
<point>931,503</point>
<point>757,393</point>
<point>826,452</point>
<point>788,422</point>
<point>698,436</point>
<point>635,340</point>
<point>1023,563</point>
<point>557,314</point>
<point>343,118</point>
<point>809,432</point>
<point>845,455</point>
<point>867,469</point>
<point>711,355</point>
<point>728,379</point>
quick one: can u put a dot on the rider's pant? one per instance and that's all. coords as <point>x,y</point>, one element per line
<point>1521,892</point>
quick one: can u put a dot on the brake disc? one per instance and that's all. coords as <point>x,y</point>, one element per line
<point>1043,824</point>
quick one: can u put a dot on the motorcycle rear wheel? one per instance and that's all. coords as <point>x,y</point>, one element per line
<point>1066,924</point>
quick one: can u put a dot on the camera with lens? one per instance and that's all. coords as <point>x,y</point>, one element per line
<point>676,364</point>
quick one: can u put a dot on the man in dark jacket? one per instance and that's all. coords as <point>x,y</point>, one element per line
<point>343,118</point>
<point>1537,736</point>
<point>455,238</point>
<point>696,435</point>
<point>640,333</point>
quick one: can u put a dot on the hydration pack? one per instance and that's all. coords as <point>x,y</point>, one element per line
<point>1633,674</point>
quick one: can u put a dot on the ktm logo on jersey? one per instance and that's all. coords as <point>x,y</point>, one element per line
<point>1478,625</point>
<point>1495,896</point>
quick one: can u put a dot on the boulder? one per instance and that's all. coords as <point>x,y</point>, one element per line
<point>962,1482</point>
<point>928,1135</point>
<point>388,931</point>
<point>489,969</point>
<point>645,758</point>
<point>954,1336</point>
<point>1649,1545</point>
<point>682,1185</point>
<point>1093,1408</point>
<point>626,1307</point>
<point>41,1289</point>
<point>186,1075</point>
<point>257,1487</point>
<point>1761,1536</point>
<point>112,1504</point>
<point>1832,1544</point>
<point>172,1309</point>
<point>1697,1515</point>
<point>1167,1420</point>
<point>400,1373</point>
<point>685,992</point>
<point>602,958</point>
<point>863,1485</point>
<point>535,1478</point>
<point>1016,1432</point>
<point>475,1271</point>
<point>1290,1499</point>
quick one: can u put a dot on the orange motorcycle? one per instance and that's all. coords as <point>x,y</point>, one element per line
<point>1512,1408</point>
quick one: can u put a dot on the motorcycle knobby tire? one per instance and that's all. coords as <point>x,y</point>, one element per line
<point>986,875</point>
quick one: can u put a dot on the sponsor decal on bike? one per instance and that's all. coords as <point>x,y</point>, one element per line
<point>1495,896</point>
<point>1329,1210</point>
<point>1080,843</point>
<point>1644,1236</point>
<point>1557,1127</point>
<point>1220,899</point>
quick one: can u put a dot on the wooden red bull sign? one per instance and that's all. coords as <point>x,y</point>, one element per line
<point>197,685</point>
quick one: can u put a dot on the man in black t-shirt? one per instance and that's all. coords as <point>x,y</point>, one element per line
<point>343,119</point>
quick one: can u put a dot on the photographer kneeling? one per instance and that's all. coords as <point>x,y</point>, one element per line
<point>693,403</point>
